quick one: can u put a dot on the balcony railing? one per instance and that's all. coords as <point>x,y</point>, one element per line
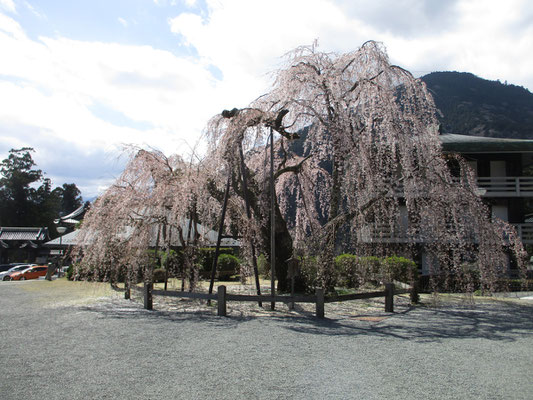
<point>525,232</point>
<point>506,186</point>
<point>399,235</point>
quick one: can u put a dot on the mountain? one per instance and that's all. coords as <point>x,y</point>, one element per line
<point>471,105</point>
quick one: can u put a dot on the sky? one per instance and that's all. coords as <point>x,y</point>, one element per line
<point>81,80</point>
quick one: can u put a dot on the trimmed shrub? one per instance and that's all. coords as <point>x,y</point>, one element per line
<point>158,275</point>
<point>309,272</point>
<point>228,265</point>
<point>353,271</point>
<point>369,269</point>
<point>70,272</point>
<point>347,269</point>
<point>398,269</point>
<point>205,257</point>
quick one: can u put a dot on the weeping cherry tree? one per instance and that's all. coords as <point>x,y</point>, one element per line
<point>370,174</point>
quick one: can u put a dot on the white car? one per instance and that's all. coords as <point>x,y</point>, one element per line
<point>4,276</point>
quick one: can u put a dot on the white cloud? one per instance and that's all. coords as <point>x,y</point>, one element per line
<point>123,22</point>
<point>490,38</point>
<point>8,5</point>
<point>54,84</point>
<point>34,11</point>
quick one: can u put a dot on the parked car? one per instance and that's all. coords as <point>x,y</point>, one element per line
<point>6,267</point>
<point>6,275</point>
<point>30,273</point>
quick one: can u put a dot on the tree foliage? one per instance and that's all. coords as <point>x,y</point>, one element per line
<point>154,203</point>
<point>375,125</point>
<point>367,174</point>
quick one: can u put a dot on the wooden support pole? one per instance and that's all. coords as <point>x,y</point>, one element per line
<point>167,260</point>
<point>219,238</point>
<point>389,297</point>
<point>221,299</point>
<point>249,215</point>
<point>319,302</point>
<point>148,304</point>
<point>272,224</point>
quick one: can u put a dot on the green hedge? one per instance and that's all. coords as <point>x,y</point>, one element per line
<point>398,269</point>
<point>309,272</point>
<point>205,258</point>
<point>228,265</point>
<point>159,275</point>
<point>352,271</point>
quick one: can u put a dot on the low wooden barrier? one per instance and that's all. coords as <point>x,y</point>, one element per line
<point>319,298</point>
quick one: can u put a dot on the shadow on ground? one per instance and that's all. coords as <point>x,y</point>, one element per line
<point>498,321</point>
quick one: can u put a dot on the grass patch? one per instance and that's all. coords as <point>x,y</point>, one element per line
<point>64,292</point>
<point>203,285</point>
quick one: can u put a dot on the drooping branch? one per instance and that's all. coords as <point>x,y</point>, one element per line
<point>292,168</point>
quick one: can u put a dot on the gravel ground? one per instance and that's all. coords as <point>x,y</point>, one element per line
<point>113,349</point>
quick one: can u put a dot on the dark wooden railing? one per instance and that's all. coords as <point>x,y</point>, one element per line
<point>319,298</point>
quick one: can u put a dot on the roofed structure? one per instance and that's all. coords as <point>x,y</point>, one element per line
<point>208,235</point>
<point>74,217</point>
<point>22,243</point>
<point>21,234</point>
<point>454,143</point>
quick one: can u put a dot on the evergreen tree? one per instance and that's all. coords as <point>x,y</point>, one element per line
<point>16,193</point>
<point>23,203</point>
<point>71,198</point>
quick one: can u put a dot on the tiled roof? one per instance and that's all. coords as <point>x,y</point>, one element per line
<point>478,144</point>
<point>209,236</point>
<point>68,239</point>
<point>22,233</point>
<point>71,218</point>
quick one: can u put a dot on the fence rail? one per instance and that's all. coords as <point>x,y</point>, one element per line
<point>319,299</point>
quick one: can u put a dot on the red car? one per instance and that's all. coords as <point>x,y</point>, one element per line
<point>30,273</point>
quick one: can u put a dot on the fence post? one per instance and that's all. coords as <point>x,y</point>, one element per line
<point>389,297</point>
<point>127,291</point>
<point>319,302</point>
<point>414,293</point>
<point>148,304</point>
<point>221,300</point>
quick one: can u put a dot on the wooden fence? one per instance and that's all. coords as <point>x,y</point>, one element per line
<point>319,298</point>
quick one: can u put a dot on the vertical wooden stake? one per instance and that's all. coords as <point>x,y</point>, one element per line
<point>221,299</point>
<point>127,291</point>
<point>389,297</point>
<point>148,304</point>
<point>291,304</point>
<point>414,293</point>
<point>319,302</point>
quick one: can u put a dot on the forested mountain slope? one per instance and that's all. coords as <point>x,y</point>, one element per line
<point>471,105</point>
